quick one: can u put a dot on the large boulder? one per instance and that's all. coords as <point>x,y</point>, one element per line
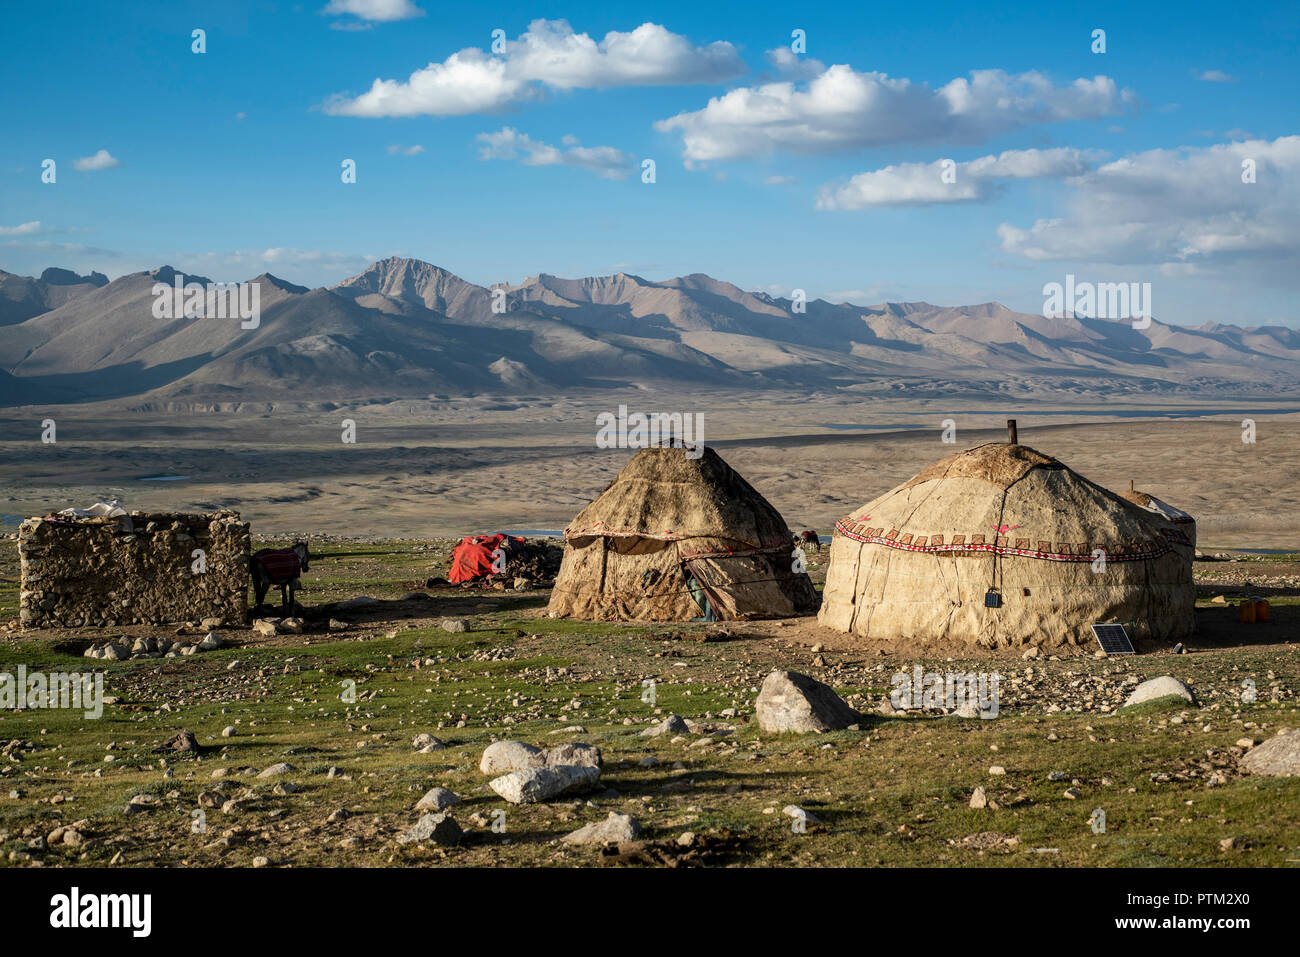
<point>583,755</point>
<point>1162,687</point>
<point>502,757</point>
<point>532,785</point>
<point>789,701</point>
<point>1278,757</point>
<point>613,830</point>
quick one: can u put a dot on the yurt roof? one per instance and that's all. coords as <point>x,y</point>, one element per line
<point>664,494</point>
<point>1153,504</point>
<point>1010,500</point>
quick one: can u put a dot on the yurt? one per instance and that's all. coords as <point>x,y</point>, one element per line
<point>1001,545</point>
<point>679,536</point>
<point>1163,509</point>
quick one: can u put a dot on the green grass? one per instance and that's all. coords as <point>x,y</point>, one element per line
<point>896,792</point>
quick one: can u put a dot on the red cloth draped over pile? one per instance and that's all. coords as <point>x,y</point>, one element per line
<point>472,558</point>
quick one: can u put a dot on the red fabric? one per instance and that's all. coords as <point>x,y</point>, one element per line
<point>281,564</point>
<point>472,558</point>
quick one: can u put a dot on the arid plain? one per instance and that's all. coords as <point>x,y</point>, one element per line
<point>422,469</point>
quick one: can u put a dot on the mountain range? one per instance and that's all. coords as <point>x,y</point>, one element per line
<point>405,328</point>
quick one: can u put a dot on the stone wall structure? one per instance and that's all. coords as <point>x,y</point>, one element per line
<point>145,567</point>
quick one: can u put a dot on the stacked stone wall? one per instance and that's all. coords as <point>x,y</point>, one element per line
<point>146,567</point>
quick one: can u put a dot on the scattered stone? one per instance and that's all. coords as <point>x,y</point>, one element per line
<point>673,724</point>
<point>455,625</point>
<point>229,731</point>
<point>436,800</point>
<point>789,701</point>
<point>798,813</point>
<point>425,743</point>
<point>182,741</point>
<point>264,627</point>
<point>979,799</point>
<point>438,828</point>
<point>290,626</point>
<point>281,767</point>
<point>997,769</point>
<point>613,830</point>
<point>260,861</point>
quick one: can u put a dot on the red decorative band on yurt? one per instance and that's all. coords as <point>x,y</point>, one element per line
<point>1004,545</point>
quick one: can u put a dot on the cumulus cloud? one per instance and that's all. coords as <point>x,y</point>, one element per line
<point>1216,76</point>
<point>549,55</point>
<point>509,144</point>
<point>788,63</point>
<point>101,160</point>
<point>23,229</point>
<point>381,10</point>
<point>842,109</point>
<point>1186,211</point>
<point>923,184</point>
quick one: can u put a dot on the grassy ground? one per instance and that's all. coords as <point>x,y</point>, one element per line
<point>895,792</point>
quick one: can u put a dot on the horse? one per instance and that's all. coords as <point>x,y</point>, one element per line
<point>808,539</point>
<point>279,566</point>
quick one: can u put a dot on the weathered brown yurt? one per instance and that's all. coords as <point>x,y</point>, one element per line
<point>997,546</point>
<point>676,538</point>
<point>1165,510</point>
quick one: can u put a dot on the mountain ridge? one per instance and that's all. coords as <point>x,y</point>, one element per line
<point>409,327</point>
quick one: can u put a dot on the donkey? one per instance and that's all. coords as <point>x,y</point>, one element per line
<point>279,566</point>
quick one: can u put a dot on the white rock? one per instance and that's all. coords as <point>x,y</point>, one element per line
<point>1162,687</point>
<point>613,830</point>
<point>502,757</point>
<point>436,800</point>
<point>541,784</point>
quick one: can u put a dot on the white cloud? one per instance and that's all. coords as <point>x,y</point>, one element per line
<point>549,55</point>
<point>508,144</point>
<point>396,150</point>
<point>23,229</point>
<point>790,64</point>
<point>1186,211</point>
<point>842,109</point>
<point>922,184</point>
<point>101,160</point>
<point>381,10</point>
<point>1217,76</point>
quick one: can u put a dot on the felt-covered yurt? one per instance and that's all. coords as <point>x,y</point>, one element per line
<point>679,536</point>
<point>1002,545</point>
<point>1163,509</point>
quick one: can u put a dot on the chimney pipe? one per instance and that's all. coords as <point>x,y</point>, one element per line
<point>1011,432</point>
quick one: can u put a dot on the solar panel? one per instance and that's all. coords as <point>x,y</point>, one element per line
<point>1113,639</point>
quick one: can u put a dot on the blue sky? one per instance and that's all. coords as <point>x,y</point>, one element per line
<point>773,170</point>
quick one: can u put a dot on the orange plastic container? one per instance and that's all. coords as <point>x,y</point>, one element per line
<point>1261,610</point>
<point>1246,612</point>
